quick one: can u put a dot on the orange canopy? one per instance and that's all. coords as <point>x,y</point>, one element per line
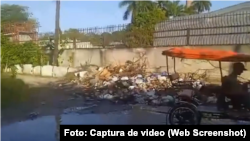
<point>207,54</point>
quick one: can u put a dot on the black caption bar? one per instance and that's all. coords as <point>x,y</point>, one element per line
<point>106,131</point>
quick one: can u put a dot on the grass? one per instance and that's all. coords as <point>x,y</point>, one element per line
<point>13,90</point>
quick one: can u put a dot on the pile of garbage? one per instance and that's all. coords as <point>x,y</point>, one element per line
<point>128,83</point>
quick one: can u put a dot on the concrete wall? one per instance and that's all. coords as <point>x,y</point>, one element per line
<point>47,71</point>
<point>155,59</point>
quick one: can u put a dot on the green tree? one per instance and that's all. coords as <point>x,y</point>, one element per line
<point>14,13</point>
<point>175,8</point>
<point>72,34</point>
<point>141,31</point>
<point>45,36</point>
<point>201,6</point>
<point>93,38</point>
<point>163,5</point>
<point>134,7</point>
<point>13,53</point>
<point>119,36</point>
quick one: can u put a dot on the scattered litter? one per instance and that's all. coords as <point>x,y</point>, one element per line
<point>211,99</point>
<point>131,83</point>
<point>77,109</point>
<point>72,98</point>
<point>33,115</point>
<point>107,96</point>
<point>241,122</point>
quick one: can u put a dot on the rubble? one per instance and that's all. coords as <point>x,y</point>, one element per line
<point>130,83</point>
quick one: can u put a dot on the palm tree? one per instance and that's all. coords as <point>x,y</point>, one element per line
<point>57,33</point>
<point>172,8</point>
<point>134,7</point>
<point>55,60</point>
<point>162,4</point>
<point>190,10</point>
<point>201,6</point>
<point>175,9</point>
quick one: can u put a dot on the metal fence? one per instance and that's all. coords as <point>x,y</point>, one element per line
<point>193,30</point>
<point>203,30</point>
<point>95,37</point>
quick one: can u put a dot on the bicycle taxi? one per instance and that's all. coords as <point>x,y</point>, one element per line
<point>190,111</point>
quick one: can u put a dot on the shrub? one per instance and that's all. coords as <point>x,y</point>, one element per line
<point>12,53</point>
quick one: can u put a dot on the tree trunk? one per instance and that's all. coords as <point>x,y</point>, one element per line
<point>57,32</point>
<point>74,43</point>
<point>132,18</point>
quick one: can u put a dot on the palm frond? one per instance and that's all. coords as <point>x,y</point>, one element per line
<point>125,3</point>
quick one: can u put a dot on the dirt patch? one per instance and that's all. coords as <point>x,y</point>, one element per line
<point>46,98</point>
<point>37,81</point>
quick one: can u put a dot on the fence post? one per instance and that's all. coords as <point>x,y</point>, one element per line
<point>102,57</point>
<point>188,36</point>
